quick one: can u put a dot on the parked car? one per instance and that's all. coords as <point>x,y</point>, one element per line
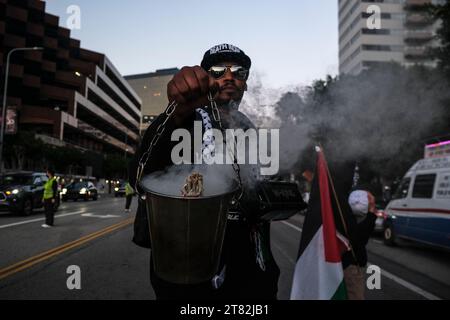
<point>22,192</point>
<point>420,209</point>
<point>381,217</point>
<point>119,190</point>
<point>82,190</point>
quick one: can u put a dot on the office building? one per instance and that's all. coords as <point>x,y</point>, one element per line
<point>406,35</point>
<point>67,95</point>
<point>152,89</point>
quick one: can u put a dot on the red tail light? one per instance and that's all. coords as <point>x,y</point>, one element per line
<point>381,214</point>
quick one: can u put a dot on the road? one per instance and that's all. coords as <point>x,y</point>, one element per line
<point>96,237</point>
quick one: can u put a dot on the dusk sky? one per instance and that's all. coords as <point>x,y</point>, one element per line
<point>291,42</point>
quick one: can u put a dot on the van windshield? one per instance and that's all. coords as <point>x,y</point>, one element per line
<point>402,190</point>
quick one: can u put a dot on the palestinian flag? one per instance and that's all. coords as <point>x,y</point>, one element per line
<point>318,273</point>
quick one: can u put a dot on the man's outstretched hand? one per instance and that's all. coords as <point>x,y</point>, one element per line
<point>189,88</point>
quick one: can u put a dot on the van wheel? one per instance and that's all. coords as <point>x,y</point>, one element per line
<point>389,235</point>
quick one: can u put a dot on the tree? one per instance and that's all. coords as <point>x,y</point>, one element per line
<point>115,166</point>
<point>382,116</point>
<point>23,151</point>
<point>443,33</point>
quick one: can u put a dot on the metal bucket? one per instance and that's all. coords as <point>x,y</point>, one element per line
<point>186,233</point>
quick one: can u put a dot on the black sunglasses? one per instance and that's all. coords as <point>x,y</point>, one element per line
<point>238,72</point>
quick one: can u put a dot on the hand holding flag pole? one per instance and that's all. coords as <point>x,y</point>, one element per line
<point>318,273</point>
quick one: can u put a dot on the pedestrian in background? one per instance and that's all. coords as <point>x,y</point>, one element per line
<point>49,198</point>
<point>129,193</point>
<point>360,227</point>
<point>350,177</point>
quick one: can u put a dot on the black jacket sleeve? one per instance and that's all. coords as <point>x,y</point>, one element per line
<point>159,159</point>
<point>365,228</point>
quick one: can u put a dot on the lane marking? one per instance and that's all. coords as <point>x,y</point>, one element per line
<point>91,215</point>
<point>292,226</point>
<point>284,254</point>
<point>40,219</point>
<point>28,263</point>
<point>400,281</point>
<point>408,285</point>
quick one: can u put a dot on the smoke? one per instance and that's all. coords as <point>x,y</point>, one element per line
<point>258,102</point>
<point>217,179</point>
<point>376,115</point>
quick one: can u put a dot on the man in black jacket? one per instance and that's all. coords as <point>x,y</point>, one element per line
<point>247,267</point>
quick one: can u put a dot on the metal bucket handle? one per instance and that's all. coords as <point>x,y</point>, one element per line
<point>160,130</point>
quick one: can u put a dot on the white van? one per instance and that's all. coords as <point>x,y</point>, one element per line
<point>420,209</point>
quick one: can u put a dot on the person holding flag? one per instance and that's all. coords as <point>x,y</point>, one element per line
<point>330,232</point>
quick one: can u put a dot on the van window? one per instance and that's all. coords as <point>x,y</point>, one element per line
<point>402,189</point>
<point>424,186</point>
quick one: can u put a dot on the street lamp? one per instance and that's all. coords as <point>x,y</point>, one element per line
<point>5,92</point>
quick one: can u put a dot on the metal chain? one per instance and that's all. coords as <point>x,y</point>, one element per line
<point>160,130</point>
<point>236,167</point>
<point>146,156</point>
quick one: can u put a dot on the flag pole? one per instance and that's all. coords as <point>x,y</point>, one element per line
<point>338,204</point>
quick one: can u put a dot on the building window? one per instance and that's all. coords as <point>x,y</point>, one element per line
<point>149,119</point>
<point>376,31</point>
<point>375,47</point>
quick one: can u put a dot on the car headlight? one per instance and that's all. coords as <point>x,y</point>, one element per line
<point>83,191</point>
<point>116,189</point>
<point>12,192</point>
<point>64,191</point>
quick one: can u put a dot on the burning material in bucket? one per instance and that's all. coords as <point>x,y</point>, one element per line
<point>193,186</point>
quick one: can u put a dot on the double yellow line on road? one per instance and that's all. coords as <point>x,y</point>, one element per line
<point>28,263</point>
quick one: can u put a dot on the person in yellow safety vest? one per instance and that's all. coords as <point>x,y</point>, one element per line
<point>49,198</point>
<point>129,193</point>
